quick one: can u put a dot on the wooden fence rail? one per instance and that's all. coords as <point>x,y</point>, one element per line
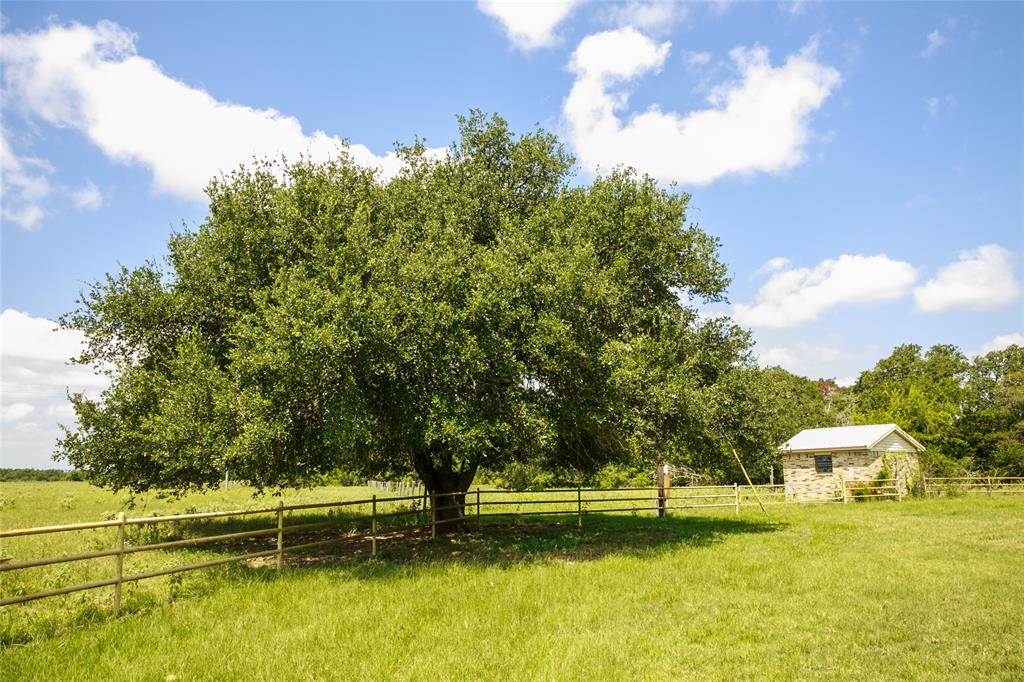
<point>575,501</point>
<point>990,485</point>
<point>427,511</point>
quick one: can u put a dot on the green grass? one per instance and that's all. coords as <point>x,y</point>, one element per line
<point>928,589</point>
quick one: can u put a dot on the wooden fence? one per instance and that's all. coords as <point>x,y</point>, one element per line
<point>878,488</point>
<point>377,512</point>
<point>415,509</point>
<point>966,485</point>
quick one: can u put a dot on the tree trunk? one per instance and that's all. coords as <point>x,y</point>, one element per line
<point>447,488</point>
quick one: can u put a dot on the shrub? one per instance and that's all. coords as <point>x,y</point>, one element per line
<point>519,476</point>
<point>619,476</point>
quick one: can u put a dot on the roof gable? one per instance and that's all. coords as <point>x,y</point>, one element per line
<point>863,437</point>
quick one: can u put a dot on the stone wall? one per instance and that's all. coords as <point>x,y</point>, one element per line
<point>803,483</point>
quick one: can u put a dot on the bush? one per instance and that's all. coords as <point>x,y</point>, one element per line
<point>619,476</point>
<point>867,490</point>
<point>518,476</point>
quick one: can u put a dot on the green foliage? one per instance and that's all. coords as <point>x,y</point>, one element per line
<point>476,310</point>
<point>39,475</point>
<point>969,414</point>
<point>524,476</point>
<point>619,476</point>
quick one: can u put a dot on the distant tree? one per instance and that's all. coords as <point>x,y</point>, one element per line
<point>992,426</point>
<point>476,310</point>
<point>968,413</point>
<point>8,475</point>
<point>780,405</point>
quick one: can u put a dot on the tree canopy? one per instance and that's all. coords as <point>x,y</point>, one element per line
<point>968,413</point>
<point>476,309</point>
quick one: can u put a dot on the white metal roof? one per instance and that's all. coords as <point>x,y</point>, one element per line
<point>844,438</point>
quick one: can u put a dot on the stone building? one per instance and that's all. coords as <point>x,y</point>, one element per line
<point>817,463</point>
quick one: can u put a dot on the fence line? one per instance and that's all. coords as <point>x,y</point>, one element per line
<point>955,485</point>
<point>422,506</point>
<point>585,501</point>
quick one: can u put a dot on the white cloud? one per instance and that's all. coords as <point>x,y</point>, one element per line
<point>91,79</point>
<point>934,104</point>
<point>530,24</point>
<point>653,16</point>
<point>798,295</point>
<point>846,382</point>
<point>1001,342</point>
<point>772,264</point>
<point>801,358</point>
<point>777,355</point>
<point>719,7</point>
<point>935,41</point>
<point>16,412</point>
<point>983,279</point>
<point>34,378</point>
<point>21,187</point>
<point>87,197</point>
<point>34,355</point>
<point>759,123</point>
<point>695,59</point>
<point>794,8</point>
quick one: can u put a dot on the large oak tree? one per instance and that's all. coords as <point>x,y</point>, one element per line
<point>477,309</point>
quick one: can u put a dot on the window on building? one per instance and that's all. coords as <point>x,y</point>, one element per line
<point>823,464</point>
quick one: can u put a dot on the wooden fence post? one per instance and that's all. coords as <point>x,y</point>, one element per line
<point>373,527</point>
<point>579,507</point>
<point>433,518</point>
<point>280,534</point>
<point>478,527</point>
<point>924,484</point>
<point>662,477</point>
<point>990,486</point>
<point>119,564</point>
<point>736,492</point>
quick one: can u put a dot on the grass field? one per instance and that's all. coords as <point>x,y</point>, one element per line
<point>930,589</point>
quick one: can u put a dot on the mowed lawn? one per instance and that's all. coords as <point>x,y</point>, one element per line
<point>923,589</point>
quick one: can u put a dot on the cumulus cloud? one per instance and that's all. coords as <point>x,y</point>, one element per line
<point>90,78</point>
<point>23,185</point>
<point>777,356</point>
<point>87,197</point>
<point>1001,342</point>
<point>34,379</point>
<point>799,358</point>
<point>653,16</point>
<point>16,412</point>
<point>935,41</point>
<point>772,264</point>
<point>982,279</point>
<point>757,123</point>
<point>530,24</point>
<point>791,297</point>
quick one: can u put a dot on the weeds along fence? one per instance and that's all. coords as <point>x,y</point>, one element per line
<point>968,485</point>
<point>263,536</point>
<point>878,488</point>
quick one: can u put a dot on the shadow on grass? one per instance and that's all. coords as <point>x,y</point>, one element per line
<point>499,541</point>
<point>402,549</point>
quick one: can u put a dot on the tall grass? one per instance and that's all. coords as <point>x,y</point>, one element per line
<point>919,590</point>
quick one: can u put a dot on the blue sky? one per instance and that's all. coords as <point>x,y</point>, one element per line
<point>862,164</point>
